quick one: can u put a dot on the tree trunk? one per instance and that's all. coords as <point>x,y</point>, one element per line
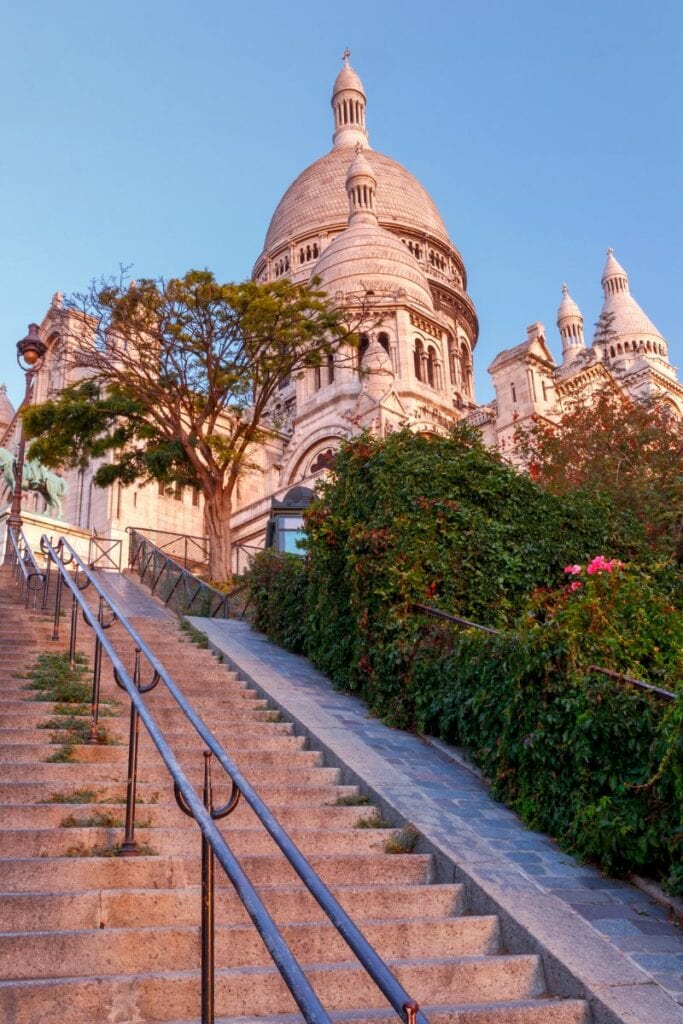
<point>217,513</point>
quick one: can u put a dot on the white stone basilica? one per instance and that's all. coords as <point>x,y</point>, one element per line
<point>363,225</point>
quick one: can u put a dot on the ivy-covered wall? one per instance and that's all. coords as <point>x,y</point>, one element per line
<point>442,521</point>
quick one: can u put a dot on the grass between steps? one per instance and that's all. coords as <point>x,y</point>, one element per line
<point>194,634</point>
<point>54,679</point>
<point>374,820</point>
<point>93,796</point>
<point>404,841</point>
<point>352,800</point>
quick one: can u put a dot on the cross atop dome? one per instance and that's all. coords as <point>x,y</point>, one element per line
<point>346,56</point>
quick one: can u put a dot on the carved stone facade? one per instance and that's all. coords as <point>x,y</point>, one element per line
<point>627,354</point>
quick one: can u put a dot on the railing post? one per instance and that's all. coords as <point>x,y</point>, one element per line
<point>129,847</point>
<point>96,673</point>
<point>73,630</point>
<point>208,935</point>
<point>46,586</point>
<point>58,607</point>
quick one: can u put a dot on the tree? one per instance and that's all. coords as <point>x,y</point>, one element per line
<point>179,376</point>
<point>629,450</point>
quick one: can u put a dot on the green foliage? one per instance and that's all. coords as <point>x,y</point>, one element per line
<point>54,680</point>
<point>630,451</point>
<point>412,519</point>
<point>441,521</point>
<point>278,584</point>
<point>78,796</point>
<point>183,376</point>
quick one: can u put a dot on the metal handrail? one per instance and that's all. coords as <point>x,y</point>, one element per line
<point>138,543</point>
<point>658,691</point>
<point>307,1001</point>
<point>22,558</point>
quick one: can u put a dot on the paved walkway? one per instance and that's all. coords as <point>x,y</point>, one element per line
<point>611,936</point>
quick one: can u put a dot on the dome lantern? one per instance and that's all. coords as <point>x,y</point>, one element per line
<point>348,106</point>
<point>361,185</point>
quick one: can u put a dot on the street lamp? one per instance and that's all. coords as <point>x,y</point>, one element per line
<point>30,353</point>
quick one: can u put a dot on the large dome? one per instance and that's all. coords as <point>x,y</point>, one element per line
<point>316,200</point>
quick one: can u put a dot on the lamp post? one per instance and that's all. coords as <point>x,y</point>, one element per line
<point>30,353</point>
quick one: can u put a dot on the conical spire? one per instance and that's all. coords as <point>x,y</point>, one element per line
<point>570,324</point>
<point>361,185</point>
<point>348,105</point>
<point>623,330</point>
<point>614,278</point>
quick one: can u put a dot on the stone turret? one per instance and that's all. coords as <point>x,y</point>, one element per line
<point>348,104</point>
<point>570,324</point>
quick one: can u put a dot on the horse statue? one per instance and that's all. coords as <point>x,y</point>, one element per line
<point>49,484</point>
<point>35,478</point>
<point>7,469</point>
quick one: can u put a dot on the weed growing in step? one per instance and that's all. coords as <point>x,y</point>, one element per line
<point>79,796</point>
<point>100,819</point>
<point>194,634</point>
<point>53,679</point>
<point>112,850</point>
<point>404,841</point>
<point>375,820</point>
<point>350,800</point>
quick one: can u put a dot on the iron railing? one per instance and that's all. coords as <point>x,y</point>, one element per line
<point>31,579</point>
<point>172,582</point>
<point>187,550</point>
<point>214,844</point>
<point>639,684</point>
<point>105,553</point>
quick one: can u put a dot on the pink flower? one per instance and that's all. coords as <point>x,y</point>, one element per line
<point>572,570</point>
<point>575,585</point>
<point>600,564</point>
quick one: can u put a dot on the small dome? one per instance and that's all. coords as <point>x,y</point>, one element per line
<point>347,79</point>
<point>367,256</point>
<point>360,167</point>
<point>568,308</point>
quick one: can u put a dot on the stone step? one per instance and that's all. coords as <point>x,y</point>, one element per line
<point>58,842</point>
<point>61,954</point>
<point>150,793</point>
<point>168,814</point>
<point>27,874</point>
<point>127,908</point>
<point>522,1011</point>
<point>274,733</point>
<point>169,995</point>
<point>73,772</point>
<point>289,754</point>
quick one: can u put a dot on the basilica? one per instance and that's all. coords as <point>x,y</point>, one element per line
<point>366,228</point>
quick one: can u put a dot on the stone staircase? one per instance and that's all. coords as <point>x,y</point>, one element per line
<point>95,939</point>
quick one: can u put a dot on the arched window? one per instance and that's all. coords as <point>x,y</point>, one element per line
<point>418,357</point>
<point>330,368</point>
<point>383,339</point>
<point>513,393</point>
<point>317,378</point>
<point>431,366</point>
<point>465,368</point>
<point>362,348</point>
<point>452,359</point>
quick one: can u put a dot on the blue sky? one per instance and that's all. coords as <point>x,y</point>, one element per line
<point>162,135</point>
